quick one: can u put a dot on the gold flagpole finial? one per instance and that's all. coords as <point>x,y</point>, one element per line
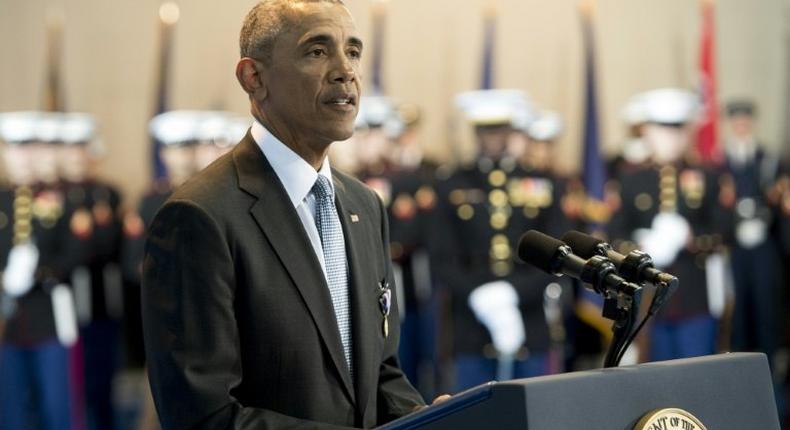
<point>490,10</point>
<point>169,13</point>
<point>587,7</point>
<point>379,7</point>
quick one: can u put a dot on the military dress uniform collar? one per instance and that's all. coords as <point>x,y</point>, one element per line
<point>296,174</point>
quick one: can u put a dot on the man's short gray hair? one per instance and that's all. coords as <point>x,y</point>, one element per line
<point>265,21</point>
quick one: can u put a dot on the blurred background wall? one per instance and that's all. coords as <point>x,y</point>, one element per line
<point>432,51</point>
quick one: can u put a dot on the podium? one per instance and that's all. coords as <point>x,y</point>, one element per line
<point>723,392</point>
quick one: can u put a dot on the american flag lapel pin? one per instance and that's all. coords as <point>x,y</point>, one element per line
<point>354,218</point>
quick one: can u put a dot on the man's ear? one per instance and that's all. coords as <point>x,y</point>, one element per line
<point>249,72</point>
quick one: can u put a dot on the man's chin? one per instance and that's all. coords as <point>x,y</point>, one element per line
<point>341,134</point>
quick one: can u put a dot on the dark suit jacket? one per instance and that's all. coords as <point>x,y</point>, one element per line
<point>239,326</point>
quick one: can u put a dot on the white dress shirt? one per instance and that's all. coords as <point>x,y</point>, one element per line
<point>298,177</point>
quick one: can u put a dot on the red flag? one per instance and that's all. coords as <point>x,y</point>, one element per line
<point>707,138</point>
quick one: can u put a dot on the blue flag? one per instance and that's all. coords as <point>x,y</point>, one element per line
<point>594,175</point>
<point>166,31</point>
<point>590,305</point>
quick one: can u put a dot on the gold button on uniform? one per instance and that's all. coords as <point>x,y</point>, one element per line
<point>466,212</point>
<point>497,198</point>
<point>643,202</point>
<point>497,178</point>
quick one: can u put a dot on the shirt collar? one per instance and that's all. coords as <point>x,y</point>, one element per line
<point>296,174</point>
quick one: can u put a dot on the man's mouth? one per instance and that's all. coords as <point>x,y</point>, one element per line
<point>342,101</point>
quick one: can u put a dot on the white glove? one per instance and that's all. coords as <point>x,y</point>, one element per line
<point>64,315</point>
<point>495,305</point>
<point>751,232</point>
<point>667,236</point>
<point>19,274</point>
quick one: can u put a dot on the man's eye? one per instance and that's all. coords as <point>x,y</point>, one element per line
<point>354,54</point>
<point>317,52</point>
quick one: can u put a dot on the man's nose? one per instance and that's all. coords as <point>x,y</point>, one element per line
<point>343,71</point>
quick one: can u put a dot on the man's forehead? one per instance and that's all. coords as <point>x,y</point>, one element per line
<point>323,18</point>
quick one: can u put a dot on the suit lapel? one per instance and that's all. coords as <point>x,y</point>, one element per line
<point>277,218</point>
<point>366,316</point>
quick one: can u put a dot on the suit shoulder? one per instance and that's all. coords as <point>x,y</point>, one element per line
<point>215,190</point>
<point>209,186</point>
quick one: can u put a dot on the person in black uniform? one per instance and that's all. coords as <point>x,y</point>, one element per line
<point>178,131</point>
<point>41,241</point>
<point>755,252</point>
<point>499,329</point>
<point>538,160</point>
<point>672,209</point>
<point>781,194</point>
<point>96,282</point>
<point>404,179</point>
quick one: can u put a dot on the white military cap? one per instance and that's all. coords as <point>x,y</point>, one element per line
<point>176,127</point>
<point>18,127</point>
<point>77,128</point>
<point>670,106</point>
<point>49,127</point>
<point>211,126</point>
<point>547,126</point>
<point>635,111</point>
<point>491,107</point>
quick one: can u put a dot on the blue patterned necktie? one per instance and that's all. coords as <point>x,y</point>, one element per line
<point>331,233</point>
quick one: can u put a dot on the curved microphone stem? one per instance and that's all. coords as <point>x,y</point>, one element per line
<point>663,291</point>
<point>624,308</point>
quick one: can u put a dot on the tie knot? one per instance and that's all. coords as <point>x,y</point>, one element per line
<point>322,188</point>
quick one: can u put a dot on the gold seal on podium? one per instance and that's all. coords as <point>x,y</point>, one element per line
<point>669,419</point>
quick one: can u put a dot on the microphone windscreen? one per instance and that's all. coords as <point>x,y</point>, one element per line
<point>539,250</point>
<point>583,245</point>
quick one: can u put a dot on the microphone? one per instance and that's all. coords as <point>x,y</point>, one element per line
<point>556,258</point>
<point>636,266</point>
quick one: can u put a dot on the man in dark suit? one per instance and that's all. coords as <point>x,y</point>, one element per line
<point>267,297</point>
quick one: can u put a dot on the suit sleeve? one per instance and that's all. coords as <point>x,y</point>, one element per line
<point>191,336</point>
<point>396,396</point>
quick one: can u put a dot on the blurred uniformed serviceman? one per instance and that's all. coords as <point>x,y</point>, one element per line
<point>672,210</point>
<point>498,325</point>
<point>635,151</point>
<point>392,164</point>
<point>178,132</point>
<point>755,252</point>
<point>97,282</point>
<point>538,161</point>
<point>40,244</point>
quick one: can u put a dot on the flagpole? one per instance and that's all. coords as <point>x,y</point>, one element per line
<point>169,14</point>
<point>379,22</point>
<point>53,100</point>
<point>489,34</point>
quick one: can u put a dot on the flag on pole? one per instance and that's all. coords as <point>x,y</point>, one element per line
<point>168,16</point>
<point>590,305</point>
<point>707,138</point>
<point>593,173</point>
